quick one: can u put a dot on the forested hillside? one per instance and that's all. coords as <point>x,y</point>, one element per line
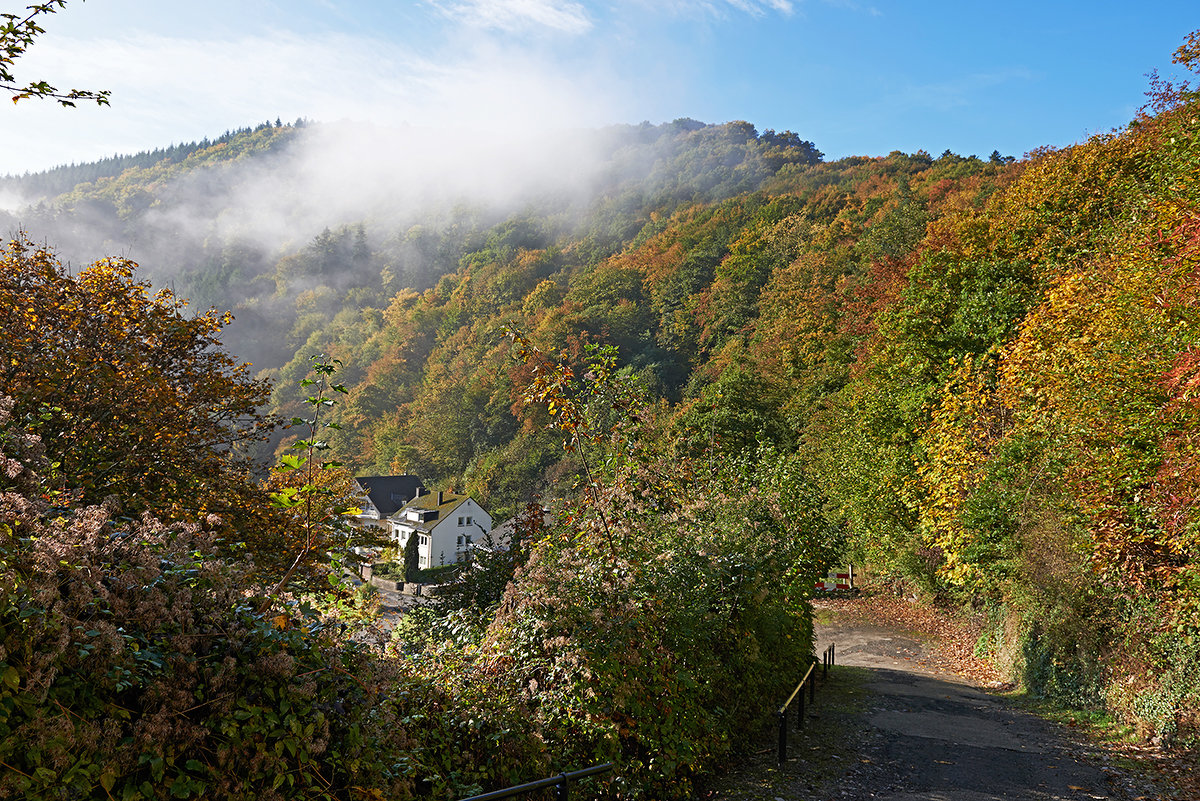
<point>42,186</point>
<point>726,363</point>
<point>184,616</point>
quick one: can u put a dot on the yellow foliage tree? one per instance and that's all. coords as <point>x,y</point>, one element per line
<point>957,444</point>
<point>132,396</point>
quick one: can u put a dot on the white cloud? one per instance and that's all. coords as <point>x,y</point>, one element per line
<point>758,7</point>
<point>721,8</point>
<point>516,15</point>
<point>170,89</point>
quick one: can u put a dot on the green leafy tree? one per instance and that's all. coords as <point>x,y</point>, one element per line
<point>669,599</point>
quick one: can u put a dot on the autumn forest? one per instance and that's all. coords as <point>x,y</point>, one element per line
<point>724,362</point>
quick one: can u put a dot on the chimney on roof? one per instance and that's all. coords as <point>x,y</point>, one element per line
<point>441,497</point>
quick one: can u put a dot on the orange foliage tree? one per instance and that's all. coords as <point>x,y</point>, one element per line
<point>132,396</point>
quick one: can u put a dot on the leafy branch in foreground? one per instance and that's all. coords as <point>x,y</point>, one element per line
<point>316,492</point>
<point>17,34</point>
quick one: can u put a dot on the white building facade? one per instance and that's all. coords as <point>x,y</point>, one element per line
<point>447,527</point>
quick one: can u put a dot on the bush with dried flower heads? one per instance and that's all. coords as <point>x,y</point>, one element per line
<point>133,665</point>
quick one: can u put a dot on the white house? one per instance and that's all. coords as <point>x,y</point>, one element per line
<point>447,526</point>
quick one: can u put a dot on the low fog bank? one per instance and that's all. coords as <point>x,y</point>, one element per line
<point>328,175</point>
<point>216,230</point>
<point>287,224</point>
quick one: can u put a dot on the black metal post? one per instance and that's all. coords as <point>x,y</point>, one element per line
<point>561,790</point>
<point>810,678</point>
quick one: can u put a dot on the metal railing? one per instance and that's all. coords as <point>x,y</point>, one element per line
<point>810,679</point>
<point>560,783</point>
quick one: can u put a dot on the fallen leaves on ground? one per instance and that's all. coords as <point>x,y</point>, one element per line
<point>952,646</point>
<point>1176,766</point>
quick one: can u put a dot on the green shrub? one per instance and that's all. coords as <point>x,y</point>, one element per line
<point>650,654</point>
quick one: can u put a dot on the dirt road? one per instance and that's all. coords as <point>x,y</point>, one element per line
<point>928,736</point>
<point>892,723</point>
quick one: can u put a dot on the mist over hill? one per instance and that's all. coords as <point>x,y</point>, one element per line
<point>258,218</point>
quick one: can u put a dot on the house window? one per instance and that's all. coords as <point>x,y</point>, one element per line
<point>460,539</point>
<point>468,539</point>
<point>468,521</point>
<point>460,522</point>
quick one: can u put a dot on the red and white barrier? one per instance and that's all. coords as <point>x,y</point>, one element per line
<point>837,581</point>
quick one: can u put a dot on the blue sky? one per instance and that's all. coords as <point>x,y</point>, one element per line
<point>856,78</point>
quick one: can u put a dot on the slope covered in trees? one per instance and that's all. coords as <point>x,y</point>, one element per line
<point>42,186</point>
<point>725,361</point>
<point>986,368</point>
<point>151,648</point>
<point>156,643</point>
<point>225,223</point>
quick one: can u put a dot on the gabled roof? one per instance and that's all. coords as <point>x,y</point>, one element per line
<point>428,502</point>
<point>389,493</point>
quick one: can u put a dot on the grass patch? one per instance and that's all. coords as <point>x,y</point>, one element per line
<point>435,575</point>
<point>817,756</point>
<point>394,571</point>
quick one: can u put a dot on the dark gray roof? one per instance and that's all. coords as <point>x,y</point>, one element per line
<point>389,493</point>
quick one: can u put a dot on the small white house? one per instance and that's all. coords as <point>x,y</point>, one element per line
<point>447,526</point>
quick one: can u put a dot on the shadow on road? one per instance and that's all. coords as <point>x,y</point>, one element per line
<point>889,726</point>
<point>932,737</point>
